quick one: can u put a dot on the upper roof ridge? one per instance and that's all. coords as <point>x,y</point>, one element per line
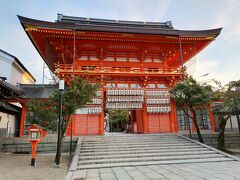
<point>95,21</point>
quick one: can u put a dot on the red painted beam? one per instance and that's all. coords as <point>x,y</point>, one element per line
<point>21,129</point>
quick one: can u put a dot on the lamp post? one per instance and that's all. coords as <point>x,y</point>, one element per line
<point>61,89</point>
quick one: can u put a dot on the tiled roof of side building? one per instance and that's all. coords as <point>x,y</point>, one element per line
<point>12,89</point>
<point>9,108</point>
<point>38,91</point>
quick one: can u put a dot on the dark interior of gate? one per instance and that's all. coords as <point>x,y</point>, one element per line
<point>134,63</point>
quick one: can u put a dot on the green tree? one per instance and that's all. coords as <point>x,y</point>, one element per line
<point>77,94</point>
<point>191,95</point>
<point>228,98</point>
<point>119,119</point>
<point>41,112</point>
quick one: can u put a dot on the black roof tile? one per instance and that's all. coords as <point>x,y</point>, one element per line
<point>100,25</point>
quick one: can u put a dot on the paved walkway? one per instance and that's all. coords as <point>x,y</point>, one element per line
<point>192,171</point>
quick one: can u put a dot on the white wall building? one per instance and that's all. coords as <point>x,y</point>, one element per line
<point>7,124</point>
<point>14,72</point>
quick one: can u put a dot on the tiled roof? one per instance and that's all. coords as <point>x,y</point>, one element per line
<point>9,108</point>
<point>9,91</point>
<point>101,25</point>
<point>38,91</point>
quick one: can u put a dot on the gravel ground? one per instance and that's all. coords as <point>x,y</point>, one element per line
<point>17,166</point>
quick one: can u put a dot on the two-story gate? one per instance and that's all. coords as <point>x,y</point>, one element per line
<point>134,62</point>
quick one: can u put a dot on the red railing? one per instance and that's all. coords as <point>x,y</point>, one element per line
<point>68,69</point>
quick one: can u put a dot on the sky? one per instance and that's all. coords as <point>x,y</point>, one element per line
<point>220,60</point>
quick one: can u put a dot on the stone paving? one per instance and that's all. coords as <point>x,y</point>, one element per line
<point>191,171</point>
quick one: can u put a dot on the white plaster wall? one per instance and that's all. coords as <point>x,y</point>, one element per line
<point>7,120</point>
<point>5,66</point>
<point>18,75</point>
<point>14,73</point>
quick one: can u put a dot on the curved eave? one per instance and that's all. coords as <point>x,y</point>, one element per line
<point>117,29</point>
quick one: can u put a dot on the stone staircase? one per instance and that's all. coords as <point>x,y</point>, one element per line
<point>115,150</point>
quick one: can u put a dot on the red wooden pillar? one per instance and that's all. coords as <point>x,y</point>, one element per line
<point>132,120</point>
<point>21,128</point>
<point>174,117</point>
<point>171,121</point>
<point>101,118</point>
<point>145,119</point>
<point>101,125</point>
<point>211,117</point>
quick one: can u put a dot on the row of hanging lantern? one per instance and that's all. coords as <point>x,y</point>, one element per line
<point>125,92</point>
<point>92,107</point>
<point>157,101</point>
<point>89,110</point>
<point>99,93</point>
<point>94,110</point>
<point>95,101</point>
<point>161,109</point>
<point>124,105</point>
<point>125,98</point>
<point>157,93</point>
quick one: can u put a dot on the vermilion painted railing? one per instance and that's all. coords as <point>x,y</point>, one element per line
<point>68,69</point>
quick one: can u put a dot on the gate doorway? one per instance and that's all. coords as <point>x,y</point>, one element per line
<point>118,121</point>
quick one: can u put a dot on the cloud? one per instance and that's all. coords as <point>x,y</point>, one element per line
<point>228,18</point>
<point>211,67</point>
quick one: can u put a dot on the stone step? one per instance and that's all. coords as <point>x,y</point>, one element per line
<point>100,145</point>
<point>148,149</point>
<point>142,151</point>
<point>161,154</point>
<point>132,142</point>
<point>140,163</point>
<point>136,146</point>
<point>131,138</point>
<point>145,159</point>
<point>140,148</point>
<point>118,135</point>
